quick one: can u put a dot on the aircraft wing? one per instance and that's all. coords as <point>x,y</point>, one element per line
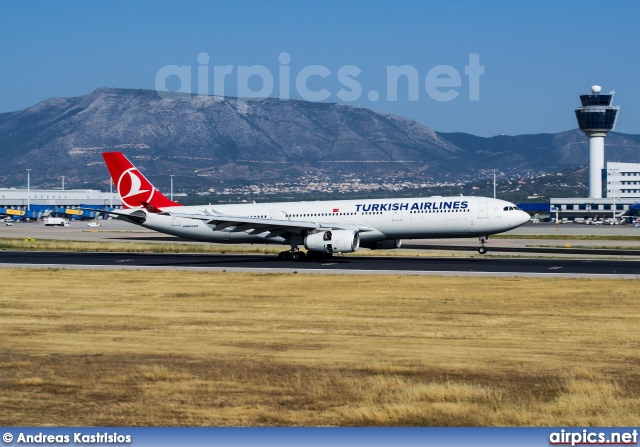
<point>135,215</point>
<point>259,225</point>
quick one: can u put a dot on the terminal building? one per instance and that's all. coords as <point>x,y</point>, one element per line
<point>39,203</point>
<point>623,180</point>
<point>622,187</point>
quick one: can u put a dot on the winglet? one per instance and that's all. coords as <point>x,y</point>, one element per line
<point>151,208</point>
<point>133,187</point>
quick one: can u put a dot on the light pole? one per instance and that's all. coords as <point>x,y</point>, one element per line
<point>28,190</point>
<point>494,183</point>
<point>172,186</point>
<point>63,182</point>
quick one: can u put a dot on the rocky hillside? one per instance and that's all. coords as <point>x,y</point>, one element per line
<point>206,140</point>
<point>223,138</point>
<point>543,152</point>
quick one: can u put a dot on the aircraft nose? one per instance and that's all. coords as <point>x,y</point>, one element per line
<point>523,218</point>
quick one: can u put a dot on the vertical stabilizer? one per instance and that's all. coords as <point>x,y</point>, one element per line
<point>133,187</point>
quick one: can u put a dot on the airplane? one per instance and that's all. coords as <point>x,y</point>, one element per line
<point>322,227</point>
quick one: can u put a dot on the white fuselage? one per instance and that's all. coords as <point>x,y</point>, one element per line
<point>404,218</point>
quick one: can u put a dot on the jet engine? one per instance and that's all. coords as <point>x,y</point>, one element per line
<point>337,241</point>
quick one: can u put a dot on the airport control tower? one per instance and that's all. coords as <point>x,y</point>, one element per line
<point>596,117</point>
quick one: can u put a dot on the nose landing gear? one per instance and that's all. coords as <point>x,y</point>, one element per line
<point>482,250</point>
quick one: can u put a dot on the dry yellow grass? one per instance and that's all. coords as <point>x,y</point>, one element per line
<point>132,247</point>
<point>177,348</point>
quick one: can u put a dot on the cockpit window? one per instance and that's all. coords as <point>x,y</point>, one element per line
<point>511,208</point>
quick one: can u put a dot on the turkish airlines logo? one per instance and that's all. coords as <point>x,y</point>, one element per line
<point>130,187</point>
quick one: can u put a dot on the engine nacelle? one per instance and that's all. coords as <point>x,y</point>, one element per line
<point>336,241</point>
<point>388,244</point>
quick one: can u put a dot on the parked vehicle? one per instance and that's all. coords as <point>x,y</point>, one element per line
<point>56,222</point>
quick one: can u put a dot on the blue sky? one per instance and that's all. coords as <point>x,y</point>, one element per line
<point>537,56</point>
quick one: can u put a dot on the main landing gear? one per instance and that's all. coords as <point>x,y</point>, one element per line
<point>296,255</point>
<point>292,255</point>
<point>482,250</point>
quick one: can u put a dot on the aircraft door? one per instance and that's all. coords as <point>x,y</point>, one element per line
<point>483,210</point>
<point>397,215</point>
<point>175,222</point>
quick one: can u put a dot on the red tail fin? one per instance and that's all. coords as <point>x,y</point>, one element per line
<point>133,187</point>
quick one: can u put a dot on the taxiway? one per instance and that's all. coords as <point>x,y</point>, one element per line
<point>481,266</point>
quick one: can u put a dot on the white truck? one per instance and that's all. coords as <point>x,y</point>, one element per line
<point>56,222</point>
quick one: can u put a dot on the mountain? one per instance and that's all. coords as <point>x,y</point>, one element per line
<point>212,140</point>
<point>221,138</point>
<point>543,152</point>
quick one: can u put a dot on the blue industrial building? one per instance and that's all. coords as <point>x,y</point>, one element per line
<point>39,203</point>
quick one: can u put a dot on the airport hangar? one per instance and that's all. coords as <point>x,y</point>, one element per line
<point>35,204</point>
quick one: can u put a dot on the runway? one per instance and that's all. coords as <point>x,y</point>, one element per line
<point>337,265</point>
<point>528,250</point>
